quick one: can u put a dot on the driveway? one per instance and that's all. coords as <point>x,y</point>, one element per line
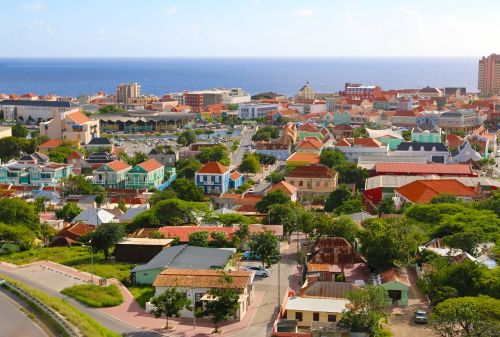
<point>401,320</point>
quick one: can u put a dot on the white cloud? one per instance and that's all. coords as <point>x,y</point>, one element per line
<point>171,10</point>
<point>415,15</point>
<point>36,6</point>
<point>303,12</point>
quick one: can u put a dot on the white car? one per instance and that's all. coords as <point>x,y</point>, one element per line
<point>259,271</point>
<point>251,190</point>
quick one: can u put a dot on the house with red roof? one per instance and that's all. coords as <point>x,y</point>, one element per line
<point>76,158</point>
<point>146,175</point>
<point>422,191</point>
<point>112,174</point>
<point>213,178</point>
<point>405,118</point>
<point>51,144</point>
<point>72,125</point>
<point>236,179</point>
<point>303,158</point>
<point>71,234</point>
<point>310,145</point>
<point>286,188</point>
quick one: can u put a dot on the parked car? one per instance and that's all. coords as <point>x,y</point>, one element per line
<point>259,271</point>
<point>251,190</point>
<point>420,317</point>
<point>250,256</point>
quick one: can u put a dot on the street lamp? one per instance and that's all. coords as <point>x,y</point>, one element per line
<point>91,261</point>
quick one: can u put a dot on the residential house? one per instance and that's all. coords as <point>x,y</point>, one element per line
<point>146,175</point>
<point>303,158</point>
<point>405,118</point>
<point>483,141</point>
<point>426,131</point>
<point>430,92</point>
<point>387,137</point>
<point>182,257</point>
<point>397,284</point>
<point>71,125</point>
<point>453,141</point>
<point>213,178</point>
<point>242,203</point>
<point>235,179</point>
<point>422,191</point>
<point>100,144</point>
<point>458,170</point>
<point>197,284</point>
<point>310,130</point>
<point>312,180</point>
<point>112,174</point>
<point>164,155</point>
<point>433,152</point>
<point>343,131</point>
<point>460,120</point>
<point>139,250</point>
<point>306,310</point>
<point>131,213</point>
<point>353,148</point>
<point>286,188</point>
<point>341,118</point>
<point>94,217</point>
<point>70,235</point>
<point>51,144</point>
<point>76,159</point>
<point>310,145</point>
<point>97,159</point>
<point>279,148</point>
<point>465,154</point>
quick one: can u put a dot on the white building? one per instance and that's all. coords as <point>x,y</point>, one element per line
<point>256,110</point>
<point>25,110</point>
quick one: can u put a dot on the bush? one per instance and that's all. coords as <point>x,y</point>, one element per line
<point>142,294</point>
<point>95,296</point>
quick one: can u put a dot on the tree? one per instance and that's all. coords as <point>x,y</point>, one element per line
<point>266,245</point>
<point>275,177</point>
<point>398,237</point>
<point>360,132</point>
<point>106,236</point>
<point>61,153</point>
<point>77,184</point>
<point>214,153</point>
<point>386,206</point>
<point>349,173</point>
<point>407,135</point>
<point>337,197</point>
<point>69,211</point>
<point>167,193</point>
<point>122,205</point>
<point>198,239</point>
<point>444,199</point>
<point>17,212</point>
<point>332,158</point>
<point>137,158</point>
<point>19,131</point>
<point>187,190</point>
<point>219,240</point>
<point>22,236</point>
<point>170,303</point>
<point>243,234</point>
<point>250,164</point>
<point>266,133</point>
<point>186,168</point>
<point>224,303</point>
<point>286,214</point>
<point>187,137</point>
<point>342,226</point>
<point>467,317</point>
<point>110,109</point>
<point>350,206</point>
<point>366,308</point>
<point>276,197</point>
<point>9,148</point>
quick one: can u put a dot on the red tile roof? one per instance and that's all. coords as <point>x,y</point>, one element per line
<point>308,128</point>
<point>311,171</point>
<point>117,165</point>
<point>213,167</point>
<point>310,158</point>
<point>150,165</point>
<point>183,231</point>
<point>367,142</point>
<point>418,168</point>
<point>202,278</point>
<point>75,155</point>
<point>283,186</point>
<point>454,141</point>
<point>78,117</point>
<point>52,143</point>
<point>422,191</point>
<point>235,175</point>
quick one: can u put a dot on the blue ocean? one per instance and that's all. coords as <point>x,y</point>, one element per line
<point>75,76</point>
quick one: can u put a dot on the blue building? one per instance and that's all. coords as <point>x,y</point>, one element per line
<point>235,179</point>
<point>213,178</point>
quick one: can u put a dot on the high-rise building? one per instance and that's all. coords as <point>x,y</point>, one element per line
<point>126,92</point>
<point>489,75</point>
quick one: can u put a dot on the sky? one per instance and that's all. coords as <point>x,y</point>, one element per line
<point>248,28</point>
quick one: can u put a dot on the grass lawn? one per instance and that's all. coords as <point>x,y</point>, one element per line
<point>142,294</point>
<point>95,296</point>
<point>76,257</point>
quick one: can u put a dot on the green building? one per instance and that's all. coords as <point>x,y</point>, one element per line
<point>145,175</point>
<point>112,174</point>
<point>397,284</point>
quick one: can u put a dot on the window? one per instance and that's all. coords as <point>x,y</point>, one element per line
<point>332,318</point>
<point>316,316</point>
<point>298,316</point>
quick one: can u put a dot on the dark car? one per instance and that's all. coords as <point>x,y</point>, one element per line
<point>420,317</point>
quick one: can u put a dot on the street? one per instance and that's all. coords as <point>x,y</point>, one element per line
<point>245,141</point>
<point>14,323</point>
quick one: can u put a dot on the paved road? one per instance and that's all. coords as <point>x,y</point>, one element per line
<point>245,141</point>
<point>14,323</point>
<point>104,319</point>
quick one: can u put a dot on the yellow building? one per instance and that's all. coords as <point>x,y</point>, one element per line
<point>308,310</point>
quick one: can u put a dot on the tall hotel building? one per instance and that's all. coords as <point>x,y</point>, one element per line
<point>489,75</point>
<point>125,92</point>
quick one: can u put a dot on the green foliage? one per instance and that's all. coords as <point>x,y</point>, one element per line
<point>245,186</point>
<point>332,158</point>
<point>22,236</point>
<point>186,168</point>
<point>167,193</point>
<point>350,206</point>
<point>342,227</point>
<point>265,159</point>
<point>275,177</point>
<point>69,211</point>
<point>407,135</point>
<point>386,206</point>
<point>398,237</point>
<point>170,303</point>
<point>360,132</point>
<point>11,147</point>
<point>337,197</point>
<point>266,133</point>
<point>250,164</point>
<point>198,239</point>
<point>137,158</point>
<point>187,190</point>
<point>105,237</point>
<point>142,294</point>
<point>157,235</point>
<point>77,184</point>
<point>19,131</point>
<point>367,306</point>
<point>467,316</point>
<point>219,240</point>
<point>266,245</point>
<point>186,138</point>
<point>214,153</point>
<point>17,212</point>
<point>224,304</point>
<point>95,296</point>
<point>231,219</point>
<point>110,109</point>
<point>232,107</point>
<point>276,197</point>
<point>285,214</point>
<point>61,153</point>
<point>349,173</point>
<point>445,199</point>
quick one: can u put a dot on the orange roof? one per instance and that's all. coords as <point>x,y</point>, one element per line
<point>202,278</point>
<point>420,168</point>
<point>310,143</point>
<point>150,165</point>
<point>309,158</point>
<point>235,175</point>
<point>118,165</point>
<point>78,117</point>
<point>343,142</point>
<point>367,142</point>
<point>283,186</point>
<point>394,275</point>
<point>213,167</point>
<point>75,155</point>
<point>308,128</point>
<point>422,191</point>
<point>52,143</point>
<point>183,231</point>
<point>454,141</point>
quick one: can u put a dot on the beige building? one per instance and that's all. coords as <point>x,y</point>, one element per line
<point>71,125</point>
<point>306,92</point>
<point>312,180</point>
<point>5,131</point>
<point>488,81</point>
<point>126,92</point>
